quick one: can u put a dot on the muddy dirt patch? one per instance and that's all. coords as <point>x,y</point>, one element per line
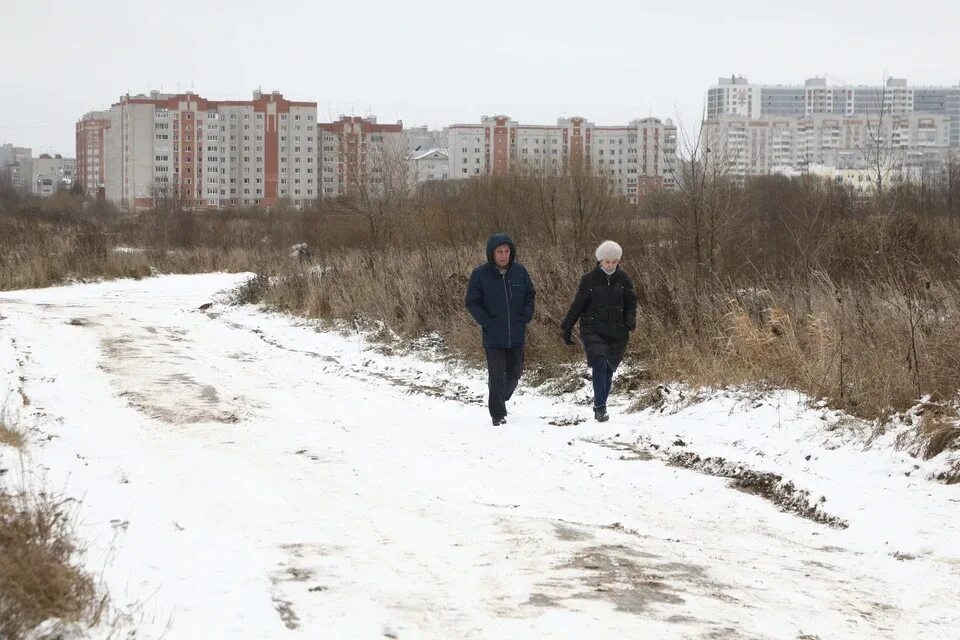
<point>151,379</point>
<point>628,451</point>
<point>767,485</point>
<point>630,582</point>
<point>570,534</point>
<point>444,389</point>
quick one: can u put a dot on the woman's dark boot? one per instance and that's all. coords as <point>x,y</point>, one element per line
<point>600,413</point>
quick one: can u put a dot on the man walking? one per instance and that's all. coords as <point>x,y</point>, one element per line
<point>500,297</point>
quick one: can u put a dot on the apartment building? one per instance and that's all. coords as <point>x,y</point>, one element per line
<point>42,176</point>
<point>8,165</point>
<point>16,166</point>
<point>359,153</point>
<point>51,173</point>
<point>211,153</point>
<point>736,96</point>
<point>7,155</point>
<point>430,164</point>
<point>91,137</point>
<point>420,139</point>
<point>637,158</point>
<point>748,146</point>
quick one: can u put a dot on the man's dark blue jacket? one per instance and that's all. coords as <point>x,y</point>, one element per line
<point>502,304</point>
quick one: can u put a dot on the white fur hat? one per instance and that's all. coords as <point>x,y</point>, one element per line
<point>609,250</point>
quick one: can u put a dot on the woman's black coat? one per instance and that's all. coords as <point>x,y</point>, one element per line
<point>606,307</point>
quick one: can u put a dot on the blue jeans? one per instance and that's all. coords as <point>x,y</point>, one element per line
<point>602,381</point>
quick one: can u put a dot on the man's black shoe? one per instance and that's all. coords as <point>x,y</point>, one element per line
<point>600,413</point>
<point>499,421</point>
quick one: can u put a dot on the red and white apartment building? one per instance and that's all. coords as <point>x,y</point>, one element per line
<point>91,138</point>
<point>211,153</point>
<point>637,158</point>
<point>356,149</point>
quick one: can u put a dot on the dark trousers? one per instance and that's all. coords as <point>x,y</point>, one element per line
<point>602,381</point>
<point>504,366</point>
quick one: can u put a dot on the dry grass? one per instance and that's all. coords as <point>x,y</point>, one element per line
<point>850,344</point>
<point>939,430</point>
<point>11,437</point>
<point>415,291</point>
<point>783,283</point>
<point>40,248</point>
<point>40,576</point>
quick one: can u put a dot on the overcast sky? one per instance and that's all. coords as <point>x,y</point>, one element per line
<point>437,62</point>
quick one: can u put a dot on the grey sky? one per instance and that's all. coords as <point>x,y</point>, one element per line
<point>436,62</point>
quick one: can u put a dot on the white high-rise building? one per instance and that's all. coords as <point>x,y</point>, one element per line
<point>736,96</point>
<point>745,146</point>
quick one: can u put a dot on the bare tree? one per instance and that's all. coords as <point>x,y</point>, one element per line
<point>879,149</point>
<point>7,192</point>
<point>589,198</point>
<point>380,185</point>
<point>952,187</point>
<point>167,198</point>
<point>490,201</point>
<point>705,194</point>
<point>544,184</point>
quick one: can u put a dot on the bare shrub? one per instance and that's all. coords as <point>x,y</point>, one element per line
<point>253,290</point>
<point>939,430</point>
<point>40,575</point>
<point>11,437</point>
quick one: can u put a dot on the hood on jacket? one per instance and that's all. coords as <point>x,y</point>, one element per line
<point>495,241</point>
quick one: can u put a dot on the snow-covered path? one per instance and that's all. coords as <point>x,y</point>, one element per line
<point>243,475</point>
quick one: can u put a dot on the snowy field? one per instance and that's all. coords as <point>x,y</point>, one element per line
<point>240,474</point>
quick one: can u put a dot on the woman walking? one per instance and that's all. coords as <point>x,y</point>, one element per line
<point>606,306</point>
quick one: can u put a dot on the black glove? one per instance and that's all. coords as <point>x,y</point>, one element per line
<point>568,337</point>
